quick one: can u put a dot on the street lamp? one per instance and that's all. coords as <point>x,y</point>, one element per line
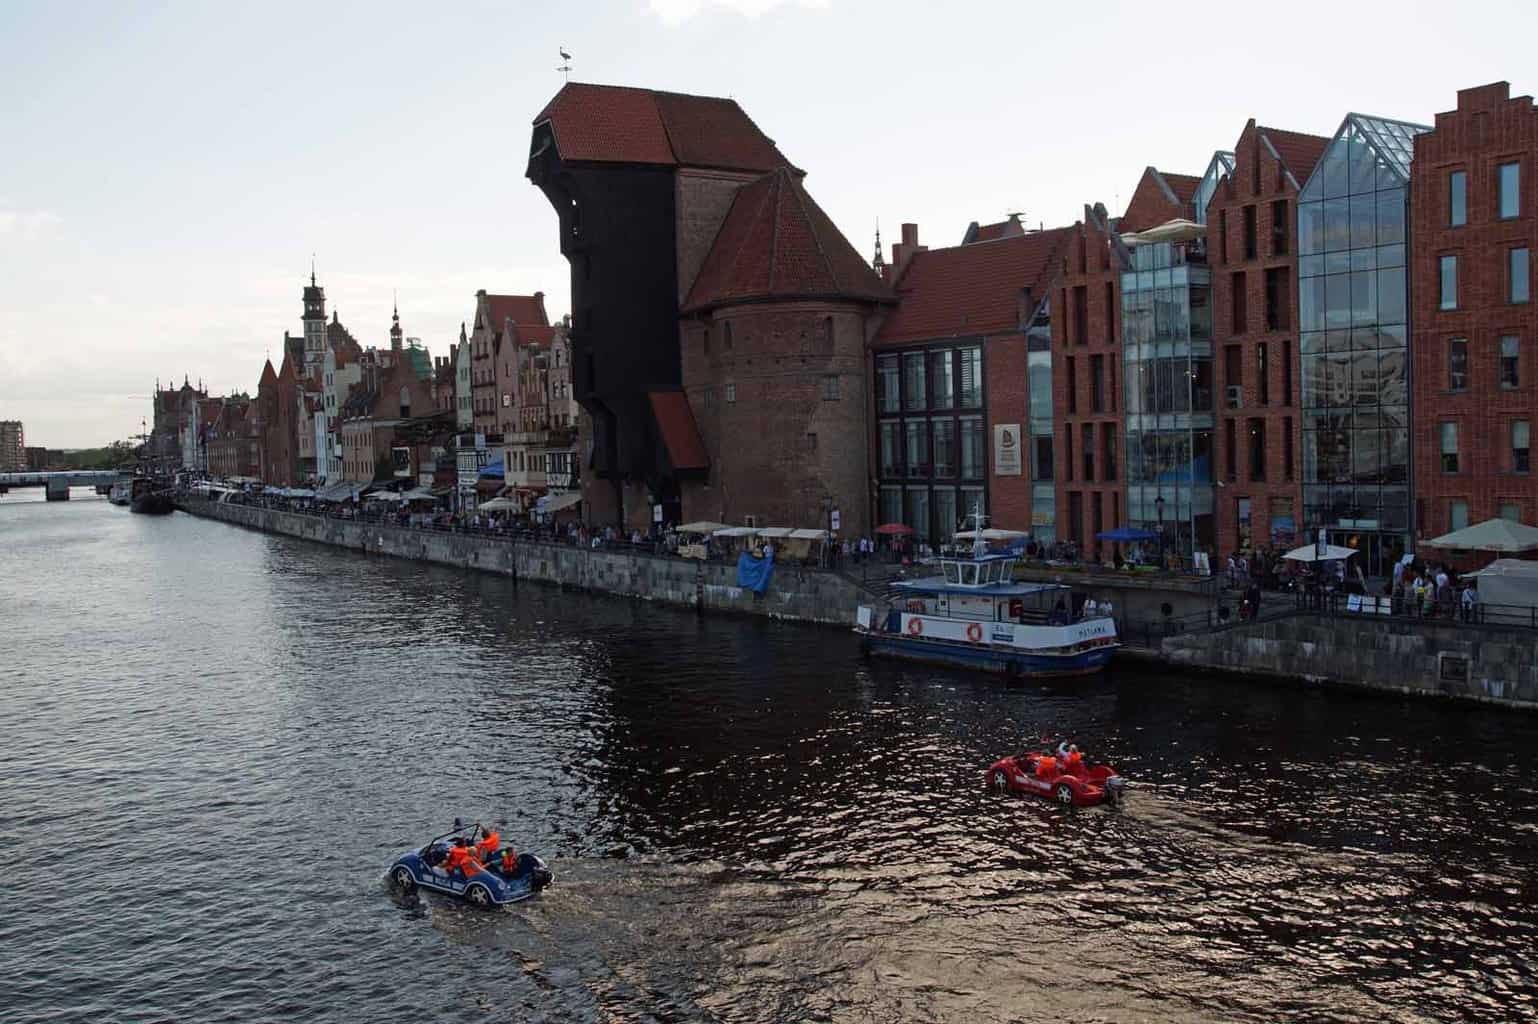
<point>1159,508</point>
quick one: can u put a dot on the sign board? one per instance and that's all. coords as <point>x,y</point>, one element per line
<point>656,513</point>
<point>836,521</point>
<point>1006,449</point>
<point>1320,543</point>
<point>400,459</point>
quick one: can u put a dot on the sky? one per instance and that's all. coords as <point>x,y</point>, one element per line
<point>169,169</point>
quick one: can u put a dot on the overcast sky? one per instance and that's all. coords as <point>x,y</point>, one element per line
<point>168,169</point>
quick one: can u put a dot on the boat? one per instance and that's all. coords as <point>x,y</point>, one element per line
<point>1073,784</point>
<point>121,492</point>
<point>975,615</point>
<point>507,877</point>
<point>153,502</point>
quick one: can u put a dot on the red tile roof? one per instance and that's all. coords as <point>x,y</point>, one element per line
<point>680,433</point>
<point>1183,185</point>
<point>533,334</point>
<point>1298,151</point>
<point>972,289</point>
<point>617,124</point>
<point>269,377</point>
<point>776,243</point>
<point>521,309</point>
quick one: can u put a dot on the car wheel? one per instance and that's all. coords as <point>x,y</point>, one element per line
<point>1064,794</point>
<point>1001,781</point>
<point>404,879</point>
<point>479,895</point>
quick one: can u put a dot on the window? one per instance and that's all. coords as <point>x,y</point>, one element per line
<point>1110,313</point>
<point>726,334</point>
<point>1108,451</point>
<point>1249,232</point>
<point>731,392</point>
<point>1457,514</point>
<point>1279,223</point>
<point>942,381</point>
<point>1257,450</point>
<point>891,450</point>
<point>1278,299</point>
<point>710,397</point>
<point>973,458</point>
<point>1287,373</point>
<point>1230,459</point>
<point>1097,383</point>
<point>1518,276</point>
<point>971,378</point>
<point>1287,448</point>
<point>1262,374</point>
<point>1087,450</point>
<point>1520,440</point>
<point>1449,447</point>
<point>1510,200</point>
<point>1073,387</point>
<point>1233,375</point>
<point>1240,302</point>
<point>1511,512</point>
<point>888,384</point>
<point>811,441</point>
<point>830,387</point>
<point>1081,315</point>
<point>917,435</point>
<point>1449,274</point>
<point>1041,458</point>
<point>1510,358</point>
<point>1457,199</point>
<point>1068,454</point>
<point>943,434</point>
<point>1223,235</point>
<point>1458,364</point>
<point>915,394</point>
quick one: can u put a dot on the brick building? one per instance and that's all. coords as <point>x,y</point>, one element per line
<point>1474,222</point>
<point>953,364</point>
<point>13,447</point>
<point>773,360</point>
<point>1252,249</point>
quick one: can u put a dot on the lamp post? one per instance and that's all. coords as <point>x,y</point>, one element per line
<point>1159,508</point>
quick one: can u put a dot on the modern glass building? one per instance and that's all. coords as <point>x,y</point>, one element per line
<point>1353,318</point>
<point>1222,163</point>
<point>1038,345</point>
<point>1167,360</point>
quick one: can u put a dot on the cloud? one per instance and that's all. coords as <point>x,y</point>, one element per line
<point>26,224</point>
<point>676,12</point>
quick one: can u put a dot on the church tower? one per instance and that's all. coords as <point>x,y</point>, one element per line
<point>314,327</point>
<point>395,329</point>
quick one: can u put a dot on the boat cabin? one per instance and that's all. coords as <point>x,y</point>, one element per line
<point>983,589</point>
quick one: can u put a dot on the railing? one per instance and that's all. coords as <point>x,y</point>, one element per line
<point>1149,633</point>
<point>1449,611</point>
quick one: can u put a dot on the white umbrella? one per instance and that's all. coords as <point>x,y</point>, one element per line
<point>1490,535</point>
<point>1307,553</point>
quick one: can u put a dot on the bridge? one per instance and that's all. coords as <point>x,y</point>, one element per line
<point>58,483</point>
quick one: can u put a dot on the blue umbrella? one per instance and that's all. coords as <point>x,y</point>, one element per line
<point>493,469</point>
<point>1127,534</point>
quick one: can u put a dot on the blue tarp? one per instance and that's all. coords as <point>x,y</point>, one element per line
<point>754,573</point>
<point>493,469</point>
<point>1127,534</point>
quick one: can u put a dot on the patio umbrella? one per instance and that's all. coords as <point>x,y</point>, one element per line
<point>1308,553</point>
<point>1490,535</point>
<point>894,529</point>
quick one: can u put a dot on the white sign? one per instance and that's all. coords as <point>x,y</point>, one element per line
<point>1006,449</point>
<point>656,513</point>
<point>835,522</point>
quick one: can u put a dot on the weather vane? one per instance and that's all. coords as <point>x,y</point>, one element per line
<point>565,67</point>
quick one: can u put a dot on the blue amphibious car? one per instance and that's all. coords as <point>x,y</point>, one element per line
<point>484,886</point>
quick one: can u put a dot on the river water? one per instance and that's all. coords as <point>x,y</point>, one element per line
<point>215,741</point>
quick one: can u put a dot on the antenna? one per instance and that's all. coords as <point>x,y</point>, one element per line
<point>565,68</point>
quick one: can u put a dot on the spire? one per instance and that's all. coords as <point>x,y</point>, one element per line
<point>395,327</point>
<point>312,270</point>
<point>461,332</point>
<point>878,264</point>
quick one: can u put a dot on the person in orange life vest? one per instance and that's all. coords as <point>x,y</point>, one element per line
<point>487,847</point>
<point>509,861</point>
<point>459,858</point>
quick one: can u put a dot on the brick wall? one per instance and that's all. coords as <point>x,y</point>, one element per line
<point>702,199</point>
<point>1085,333</point>
<point>1486,130</point>
<point>1268,401</point>
<point>1007,402</point>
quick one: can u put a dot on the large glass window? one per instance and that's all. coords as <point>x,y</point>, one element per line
<point>1510,362</point>
<point>915,395</point>
<point>1457,514</point>
<point>1449,282</point>
<point>1518,276</point>
<point>1458,364</point>
<point>1509,202</point>
<point>917,512</point>
<point>941,381</point>
<point>946,516</point>
<point>888,384</point>
<point>971,378</point>
<point>891,505</point>
<point>944,438</point>
<point>1520,452</point>
<point>917,432</point>
<point>973,456</point>
<point>891,449</point>
<point>1449,439</point>
<point>1457,199</point>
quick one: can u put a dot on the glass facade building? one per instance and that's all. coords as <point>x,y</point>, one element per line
<point>1353,318</point>
<point>1221,164</point>
<point>1167,365</point>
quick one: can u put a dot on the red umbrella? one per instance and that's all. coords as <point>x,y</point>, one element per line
<point>893,529</point>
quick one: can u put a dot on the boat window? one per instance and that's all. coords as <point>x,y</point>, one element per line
<point>1007,569</point>
<point>969,577</point>
<point>953,572</point>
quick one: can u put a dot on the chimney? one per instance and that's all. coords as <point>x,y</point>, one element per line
<point>902,252</point>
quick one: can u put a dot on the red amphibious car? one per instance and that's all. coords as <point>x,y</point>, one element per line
<point>1075,784</point>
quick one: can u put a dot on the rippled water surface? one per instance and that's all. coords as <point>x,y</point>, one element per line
<point>214,742</point>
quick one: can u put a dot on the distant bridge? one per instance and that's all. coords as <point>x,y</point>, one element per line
<point>64,478</point>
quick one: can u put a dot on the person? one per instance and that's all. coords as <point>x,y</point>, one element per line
<point>1252,600</point>
<point>508,861</point>
<point>1106,610</point>
<point>1059,615</point>
<point>1091,609</point>
<point>459,858</point>
<point>488,846</point>
<point>1063,750</point>
<point>1470,602</point>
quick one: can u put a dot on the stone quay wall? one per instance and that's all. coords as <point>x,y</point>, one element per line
<point>795,594</point>
<point>1407,656</point>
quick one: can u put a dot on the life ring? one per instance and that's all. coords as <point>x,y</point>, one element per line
<point>974,632</point>
<point>915,626</point>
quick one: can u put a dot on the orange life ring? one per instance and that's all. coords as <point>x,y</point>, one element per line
<point>915,626</point>
<point>974,632</point>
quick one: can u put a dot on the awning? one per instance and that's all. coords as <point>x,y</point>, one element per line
<point>680,434</point>
<point>809,535</point>
<point>1177,230</point>
<point>735,531</point>
<point>557,502</point>
<point>775,532</point>
<point>346,490</point>
<point>1490,535</point>
<point>1307,553</point>
<point>419,494</point>
<point>704,527</point>
<point>1127,534</point>
<point>389,497</point>
<point>498,505</point>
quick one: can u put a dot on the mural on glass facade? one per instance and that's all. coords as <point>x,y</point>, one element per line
<point>931,438</point>
<point>1167,360</point>
<point>1353,317</point>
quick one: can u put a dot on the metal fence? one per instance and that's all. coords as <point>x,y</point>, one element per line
<point>1448,612</point>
